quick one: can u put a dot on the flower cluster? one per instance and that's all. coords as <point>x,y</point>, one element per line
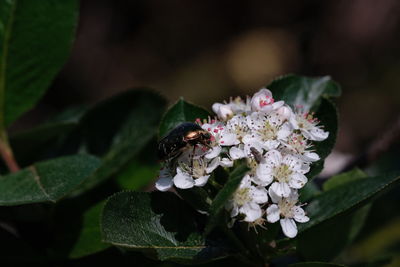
<point>276,143</point>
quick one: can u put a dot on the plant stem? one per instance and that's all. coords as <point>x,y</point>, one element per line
<point>7,154</point>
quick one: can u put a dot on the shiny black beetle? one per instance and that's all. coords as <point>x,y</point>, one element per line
<point>183,136</point>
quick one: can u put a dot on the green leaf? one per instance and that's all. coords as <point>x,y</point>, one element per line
<point>31,145</point>
<point>46,181</point>
<point>89,239</point>
<point>224,195</point>
<point>346,197</point>
<point>316,264</point>
<point>35,40</point>
<point>181,111</point>
<point>308,192</point>
<point>340,230</point>
<point>303,91</point>
<point>119,128</point>
<point>158,224</point>
<point>312,94</point>
<point>343,178</point>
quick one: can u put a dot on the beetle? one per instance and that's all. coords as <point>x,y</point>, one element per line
<point>182,137</point>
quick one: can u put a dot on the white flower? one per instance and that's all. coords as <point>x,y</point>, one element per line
<point>287,212</point>
<point>223,111</point>
<point>266,131</point>
<point>262,101</point>
<point>296,143</point>
<point>284,112</point>
<point>239,106</point>
<point>308,125</point>
<point>215,128</point>
<point>225,162</point>
<point>236,106</point>
<point>286,171</point>
<point>247,199</point>
<point>196,175</point>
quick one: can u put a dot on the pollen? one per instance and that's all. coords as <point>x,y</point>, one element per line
<point>282,173</point>
<point>242,196</point>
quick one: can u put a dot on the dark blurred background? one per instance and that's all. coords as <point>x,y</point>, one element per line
<point>207,51</point>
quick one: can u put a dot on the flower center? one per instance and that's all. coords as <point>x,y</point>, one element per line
<point>197,170</point>
<point>282,173</point>
<point>297,143</point>
<point>286,208</point>
<point>242,196</point>
<point>306,120</point>
<point>240,131</point>
<point>267,132</point>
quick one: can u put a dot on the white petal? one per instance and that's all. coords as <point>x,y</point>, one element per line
<point>214,152</point>
<point>264,174</point>
<point>273,157</point>
<point>289,227</point>
<point>212,165</point>
<point>234,211</point>
<point>293,162</point>
<point>165,173</point>
<point>297,180</point>
<point>284,131</point>
<point>201,181</point>
<point>252,211</point>
<point>271,144</point>
<point>280,189</point>
<point>215,107</point>
<point>183,180</point>
<point>225,112</point>
<point>225,162</point>
<point>318,134</point>
<point>207,126</point>
<point>259,194</point>
<point>228,139</point>
<point>284,112</point>
<point>305,167</point>
<point>266,109</point>
<point>299,215</point>
<point>164,184</point>
<point>273,213</point>
<point>252,143</point>
<point>293,122</point>
<point>236,153</point>
<point>310,156</point>
<point>274,197</point>
<point>246,181</point>
<point>278,104</point>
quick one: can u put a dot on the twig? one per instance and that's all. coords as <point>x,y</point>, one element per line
<point>8,156</point>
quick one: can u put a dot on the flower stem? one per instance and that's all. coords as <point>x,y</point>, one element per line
<point>7,153</point>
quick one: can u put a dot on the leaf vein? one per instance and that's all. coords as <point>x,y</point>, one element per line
<point>155,247</point>
<point>36,177</point>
